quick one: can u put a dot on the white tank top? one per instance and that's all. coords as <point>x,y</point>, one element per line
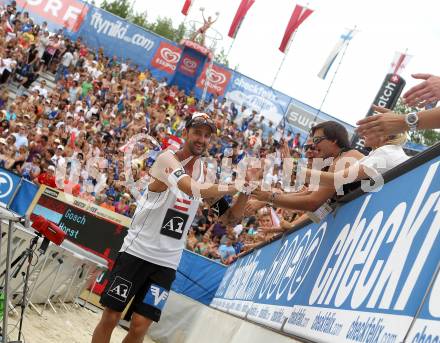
<point>160,225</point>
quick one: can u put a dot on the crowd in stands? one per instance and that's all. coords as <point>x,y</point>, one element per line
<point>90,111</point>
<point>67,115</point>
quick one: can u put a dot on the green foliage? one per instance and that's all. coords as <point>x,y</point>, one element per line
<point>121,8</point>
<point>426,137</point>
<point>222,58</point>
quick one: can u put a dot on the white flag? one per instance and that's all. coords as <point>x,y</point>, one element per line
<point>343,40</point>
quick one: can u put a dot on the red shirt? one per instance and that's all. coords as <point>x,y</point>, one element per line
<point>47,179</point>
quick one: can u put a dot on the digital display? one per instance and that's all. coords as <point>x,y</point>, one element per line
<point>82,224</point>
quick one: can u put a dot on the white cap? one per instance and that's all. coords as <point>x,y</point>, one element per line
<point>57,141</point>
<point>3,141</point>
<point>60,147</point>
<point>51,168</point>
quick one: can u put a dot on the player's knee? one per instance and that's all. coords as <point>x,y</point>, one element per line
<point>139,325</point>
<point>110,318</point>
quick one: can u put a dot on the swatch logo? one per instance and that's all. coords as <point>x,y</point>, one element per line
<point>166,58</point>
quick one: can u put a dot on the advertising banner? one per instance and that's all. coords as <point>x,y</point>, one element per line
<point>243,90</point>
<point>387,97</point>
<point>189,68</point>
<point>123,39</point>
<point>166,57</point>
<point>217,79</point>
<point>358,276</point>
<point>9,183</point>
<point>300,118</point>
<point>426,327</point>
<point>68,14</point>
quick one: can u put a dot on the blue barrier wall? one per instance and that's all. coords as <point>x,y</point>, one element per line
<point>361,273</point>
<point>198,277</point>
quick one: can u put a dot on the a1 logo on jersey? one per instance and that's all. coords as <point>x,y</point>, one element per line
<point>119,289</point>
<point>174,224</point>
<point>166,57</point>
<point>156,296</point>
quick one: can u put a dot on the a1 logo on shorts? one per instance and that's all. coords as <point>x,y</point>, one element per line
<point>156,297</point>
<point>120,289</point>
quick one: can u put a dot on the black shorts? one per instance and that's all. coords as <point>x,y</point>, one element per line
<point>147,282</point>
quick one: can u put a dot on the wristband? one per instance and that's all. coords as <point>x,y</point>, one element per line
<point>176,176</point>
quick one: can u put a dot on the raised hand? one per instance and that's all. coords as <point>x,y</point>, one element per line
<point>424,93</point>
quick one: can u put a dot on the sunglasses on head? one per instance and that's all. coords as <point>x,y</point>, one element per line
<point>202,120</point>
<point>318,139</point>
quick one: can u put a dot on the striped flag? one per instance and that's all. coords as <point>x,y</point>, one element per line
<point>186,7</point>
<point>299,14</point>
<point>182,205</point>
<point>343,41</point>
<point>239,17</point>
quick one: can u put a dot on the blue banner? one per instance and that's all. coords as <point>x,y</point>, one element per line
<point>9,183</point>
<point>198,277</point>
<point>270,103</point>
<point>360,275</point>
<point>24,197</point>
<point>120,38</point>
<point>188,69</point>
<point>427,325</point>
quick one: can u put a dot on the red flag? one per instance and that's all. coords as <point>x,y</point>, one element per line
<point>186,7</point>
<point>239,16</point>
<point>298,16</point>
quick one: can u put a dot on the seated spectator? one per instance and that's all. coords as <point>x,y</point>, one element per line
<point>203,247</point>
<point>227,252</point>
<point>47,177</point>
<point>380,160</point>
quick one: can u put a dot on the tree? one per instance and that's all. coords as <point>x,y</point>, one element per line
<point>426,137</point>
<point>222,58</point>
<point>121,8</point>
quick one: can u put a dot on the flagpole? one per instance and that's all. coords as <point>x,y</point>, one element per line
<point>334,77</point>
<point>283,60</point>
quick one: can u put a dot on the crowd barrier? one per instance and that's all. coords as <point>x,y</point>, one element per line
<point>366,273</point>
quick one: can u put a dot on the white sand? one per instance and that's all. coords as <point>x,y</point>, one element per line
<point>75,326</point>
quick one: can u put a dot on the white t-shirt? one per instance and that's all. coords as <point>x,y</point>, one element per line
<point>67,59</point>
<point>384,158</point>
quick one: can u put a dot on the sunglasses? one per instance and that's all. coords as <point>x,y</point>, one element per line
<point>202,121</point>
<point>308,147</point>
<point>318,139</point>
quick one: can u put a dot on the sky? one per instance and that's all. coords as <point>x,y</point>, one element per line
<point>385,26</point>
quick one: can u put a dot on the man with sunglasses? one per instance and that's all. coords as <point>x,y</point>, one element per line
<point>330,140</point>
<point>146,265</point>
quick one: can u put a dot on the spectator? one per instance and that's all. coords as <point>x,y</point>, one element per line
<point>227,252</point>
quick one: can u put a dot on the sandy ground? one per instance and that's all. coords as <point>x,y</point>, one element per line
<point>74,326</point>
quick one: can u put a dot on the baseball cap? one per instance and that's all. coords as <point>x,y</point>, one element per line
<point>60,147</point>
<point>51,168</point>
<point>199,119</point>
